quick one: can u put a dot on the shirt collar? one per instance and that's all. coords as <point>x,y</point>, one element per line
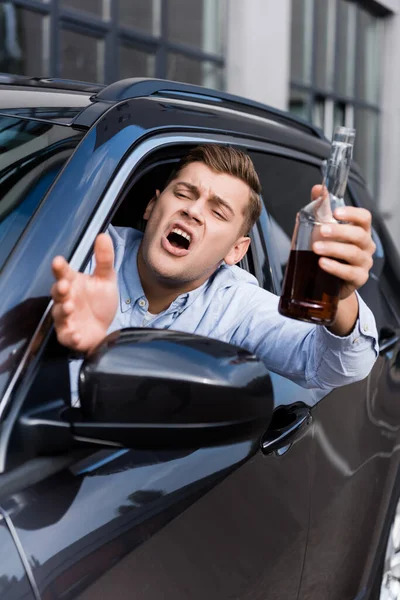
<point>131,289</point>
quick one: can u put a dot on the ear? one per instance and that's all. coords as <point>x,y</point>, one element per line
<point>150,206</point>
<point>237,251</point>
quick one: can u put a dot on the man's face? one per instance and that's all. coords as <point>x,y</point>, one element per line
<point>194,225</point>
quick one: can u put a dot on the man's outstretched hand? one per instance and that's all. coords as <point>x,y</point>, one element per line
<point>85,305</point>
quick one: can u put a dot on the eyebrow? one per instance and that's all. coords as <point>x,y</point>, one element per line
<point>192,188</point>
<point>223,203</point>
<point>214,198</point>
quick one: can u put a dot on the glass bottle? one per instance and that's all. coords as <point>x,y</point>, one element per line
<point>310,293</point>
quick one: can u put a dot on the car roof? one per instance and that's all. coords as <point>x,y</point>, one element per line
<point>45,99</point>
<point>38,93</point>
<point>82,103</point>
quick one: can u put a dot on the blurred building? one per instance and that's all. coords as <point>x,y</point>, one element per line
<point>329,61</point>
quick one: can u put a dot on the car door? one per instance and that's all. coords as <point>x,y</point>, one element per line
<point>15,584</point>
<point>222,522</point>
<point>356,427</point>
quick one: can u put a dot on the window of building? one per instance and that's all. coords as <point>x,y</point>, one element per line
<point>335,74</point>
<point>106,40</point>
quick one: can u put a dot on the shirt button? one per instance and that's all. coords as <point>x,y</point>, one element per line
<point>128,301</point>
<point>142,303</point>
<point>365,327</point>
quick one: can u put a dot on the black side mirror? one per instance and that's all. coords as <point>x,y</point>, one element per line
<point>156,388</point>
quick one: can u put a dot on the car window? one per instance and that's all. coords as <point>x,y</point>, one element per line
<point>387,257</point>
<point>286,188</point>
<point>31,155</point>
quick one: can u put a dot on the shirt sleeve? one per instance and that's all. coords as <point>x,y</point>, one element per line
<point>309,355</point>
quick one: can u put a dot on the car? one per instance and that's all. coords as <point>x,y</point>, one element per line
<point>188,471</point>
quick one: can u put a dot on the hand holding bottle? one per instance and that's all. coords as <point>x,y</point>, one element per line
<point>313,286</point>
<point>346,249</point>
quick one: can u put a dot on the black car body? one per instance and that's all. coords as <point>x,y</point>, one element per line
<point>292,498</point>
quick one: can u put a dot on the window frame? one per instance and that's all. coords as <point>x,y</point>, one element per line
<point>314,96</point>
<point>112,198</point>
<point>98,223</point>
<point>353,195</point>
<point>27,369</point>
<point>262,246</point>
<point>109,29</point>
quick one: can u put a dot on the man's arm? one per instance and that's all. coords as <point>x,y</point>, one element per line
<point>310,355</point>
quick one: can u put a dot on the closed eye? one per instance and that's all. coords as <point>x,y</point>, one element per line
<point>219,215</point>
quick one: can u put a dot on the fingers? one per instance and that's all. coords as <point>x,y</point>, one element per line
<point>316,192</point>
<point>70,339</point>
<point>63,306</point>
<point>61,269</point>
<point>349,253</point>
<point>351,214</point>
<point>348,234</point>
<point>346,249</point>
<point>60,290</point>
<point>61,311</point>
<point>354,275</point>
<point>104,255</point>
<point>357,216</point>
<point>65,330</point>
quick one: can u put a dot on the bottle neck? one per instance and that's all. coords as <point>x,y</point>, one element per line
<point>337,171</point>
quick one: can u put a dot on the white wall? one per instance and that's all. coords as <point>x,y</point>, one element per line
<point>258,50</point>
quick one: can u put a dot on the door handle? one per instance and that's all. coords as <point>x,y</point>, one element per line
<point>279,436</point>
<point>388,338</point>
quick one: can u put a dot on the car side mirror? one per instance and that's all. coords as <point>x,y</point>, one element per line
<point>158,388</point>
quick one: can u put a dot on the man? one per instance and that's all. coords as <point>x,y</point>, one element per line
<point>181,275</point>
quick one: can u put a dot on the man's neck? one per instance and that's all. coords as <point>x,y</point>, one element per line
<point>160,296</point>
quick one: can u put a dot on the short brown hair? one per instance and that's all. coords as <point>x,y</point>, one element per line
<point>225,159</point>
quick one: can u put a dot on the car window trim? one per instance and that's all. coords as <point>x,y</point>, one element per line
<point>102,214</point>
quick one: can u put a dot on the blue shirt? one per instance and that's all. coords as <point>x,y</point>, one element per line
<point>231,307</point>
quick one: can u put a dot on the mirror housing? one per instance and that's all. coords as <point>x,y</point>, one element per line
<point>165,389</point>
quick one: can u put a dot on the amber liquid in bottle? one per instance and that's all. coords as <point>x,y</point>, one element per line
<point>309,293</point>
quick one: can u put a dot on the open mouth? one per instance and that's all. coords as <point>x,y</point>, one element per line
<point>179,239</point>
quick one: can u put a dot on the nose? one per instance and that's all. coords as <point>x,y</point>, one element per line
<point>194,210</point>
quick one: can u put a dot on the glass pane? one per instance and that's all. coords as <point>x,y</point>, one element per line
<point>346,47</point>
<point>134,63</point>
<point>100,8</point>
<point>369,52</point>
<point>141,14</point>
<point>197,23</point>
<point>325,19</point>
<point>24,47</point>
<point>301,49</point>
<point>319,113</point>
<point>366,145</point>
<point>282,197</point>
<point>82,57</point>
<point>32,154</point>
<point>299,103</point>
<point>182,68</point>
<point>339,115</point>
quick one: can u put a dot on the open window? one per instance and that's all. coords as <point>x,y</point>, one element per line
<point>152,175</point>
<point>48,385</point>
